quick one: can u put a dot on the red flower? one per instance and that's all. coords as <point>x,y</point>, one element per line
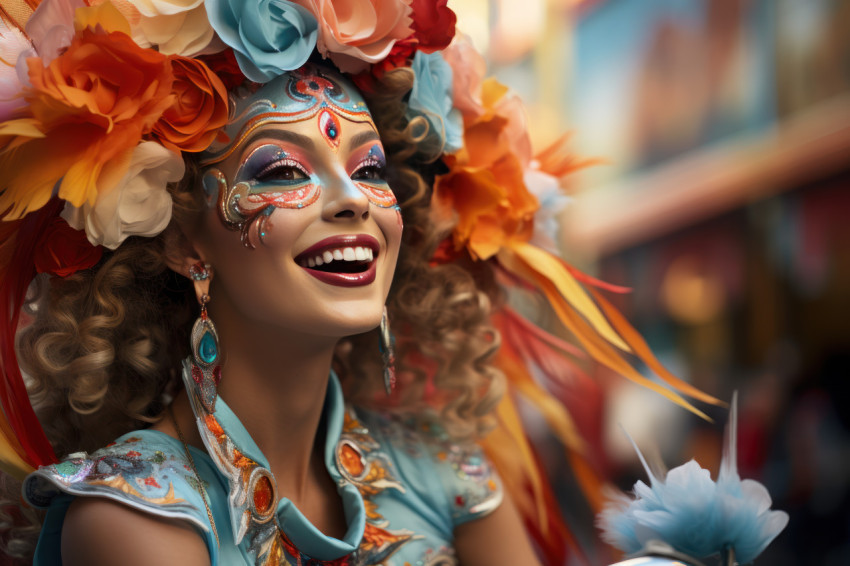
<point>151,481</point>
<point>61,250</point>
<point>400,55</point>
<point>225,66</point>
<point>433,24</point>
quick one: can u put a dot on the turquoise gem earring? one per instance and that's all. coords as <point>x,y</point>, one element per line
<point>386,344</point>
<point>206,352</point>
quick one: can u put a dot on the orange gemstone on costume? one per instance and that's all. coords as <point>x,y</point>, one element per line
<point>240,460</point>
<point>351,460</point>
<point>263,495</point>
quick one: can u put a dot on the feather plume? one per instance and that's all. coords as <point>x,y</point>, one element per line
<point>694,514</point>
<point>20,428</point>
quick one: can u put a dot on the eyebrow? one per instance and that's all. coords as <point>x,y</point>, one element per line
<point>363,137</point>
<point>294,138</point>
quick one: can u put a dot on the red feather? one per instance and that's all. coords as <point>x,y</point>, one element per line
<point>15,278</point>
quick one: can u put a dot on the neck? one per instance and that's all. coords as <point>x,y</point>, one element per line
<point>275,381</point>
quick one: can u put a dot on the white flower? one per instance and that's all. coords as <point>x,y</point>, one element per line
<point>175,27</point>
<point>139,206</point>
<point>552,201</point>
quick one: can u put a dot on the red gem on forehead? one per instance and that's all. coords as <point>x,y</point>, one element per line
<point>329,127</point>
<point>313,85</point>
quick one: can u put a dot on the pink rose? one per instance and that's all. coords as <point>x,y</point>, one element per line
<point>356,33</point>
<point>468,69</point>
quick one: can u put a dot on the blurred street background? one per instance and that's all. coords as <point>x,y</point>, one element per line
<point>724,202</point>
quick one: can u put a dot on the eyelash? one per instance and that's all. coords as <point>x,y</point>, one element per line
<point>284,164</point>
<point>372,163</point>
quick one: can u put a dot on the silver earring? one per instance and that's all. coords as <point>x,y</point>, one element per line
<point>206,351</point>
<point>385,342</point>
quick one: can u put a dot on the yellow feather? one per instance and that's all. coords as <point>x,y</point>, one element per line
<point>546,265</point>
<point>508,448</point>
<point>10,461</point>
<point>590,340</point>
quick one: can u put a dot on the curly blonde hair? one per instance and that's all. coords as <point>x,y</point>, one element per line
<point>102,353</point>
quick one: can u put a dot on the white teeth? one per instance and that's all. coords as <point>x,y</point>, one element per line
<point>357,253</point>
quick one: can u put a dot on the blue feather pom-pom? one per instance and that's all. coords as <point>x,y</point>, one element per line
<point>695,515</point>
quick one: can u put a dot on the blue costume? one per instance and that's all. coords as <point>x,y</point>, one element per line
<point>403,489</point>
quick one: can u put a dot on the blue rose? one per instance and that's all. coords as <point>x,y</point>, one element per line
<point>431,98</point>
<point>268,37</point>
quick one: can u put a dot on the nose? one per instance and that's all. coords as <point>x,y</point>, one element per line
<point>342,200</point>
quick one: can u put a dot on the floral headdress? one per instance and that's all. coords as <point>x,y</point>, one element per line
<point>99,101</point>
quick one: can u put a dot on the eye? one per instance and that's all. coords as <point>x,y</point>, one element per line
<point>283,171</point>
<point>374,172</point>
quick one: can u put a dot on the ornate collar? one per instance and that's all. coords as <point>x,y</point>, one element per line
<point>270,523</point>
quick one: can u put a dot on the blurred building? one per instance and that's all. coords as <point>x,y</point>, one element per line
<point>724,203</point>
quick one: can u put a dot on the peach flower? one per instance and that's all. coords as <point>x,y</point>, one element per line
<point>88,110</point>
<point>355,33</point>
<point>174,27</point>
<point>199,109</point>
<point>468,70</point>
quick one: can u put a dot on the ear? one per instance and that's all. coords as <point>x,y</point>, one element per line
<point>180,252</point>
<point>183,257</point>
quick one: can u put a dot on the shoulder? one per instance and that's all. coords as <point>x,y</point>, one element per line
<point>105,532</point>
<point>453,476</point>
<point>128,488</point>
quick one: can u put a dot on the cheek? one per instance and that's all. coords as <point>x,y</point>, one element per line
<point>248,208</point>
<point>391,225</point>
<point>378,196</point>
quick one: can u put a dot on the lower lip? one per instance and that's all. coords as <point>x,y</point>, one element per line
<point>345,279</point>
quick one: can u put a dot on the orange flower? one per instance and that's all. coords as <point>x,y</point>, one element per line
<point>484,189</point>
<point>199,109</point>
<point>88,110</point>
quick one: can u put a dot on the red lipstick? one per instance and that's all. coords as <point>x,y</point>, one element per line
<point>344,261</point>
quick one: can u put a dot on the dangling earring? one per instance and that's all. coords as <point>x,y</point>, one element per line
<point>385,343</point>
<point>206,351</point>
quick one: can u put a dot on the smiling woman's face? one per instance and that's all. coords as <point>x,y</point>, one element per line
<point>302,229</point>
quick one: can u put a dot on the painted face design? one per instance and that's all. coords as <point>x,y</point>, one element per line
<point>370,180</point>
<point>277,174</point>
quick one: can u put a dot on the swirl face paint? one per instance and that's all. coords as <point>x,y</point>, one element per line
<point>269,177</point>
<point>278,175</point>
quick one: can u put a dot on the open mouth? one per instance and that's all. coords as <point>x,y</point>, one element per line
<point>342,260</point>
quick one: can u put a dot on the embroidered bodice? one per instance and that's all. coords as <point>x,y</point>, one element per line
<point>403,489</point>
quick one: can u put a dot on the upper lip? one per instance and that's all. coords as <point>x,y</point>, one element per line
<point>341,241</point>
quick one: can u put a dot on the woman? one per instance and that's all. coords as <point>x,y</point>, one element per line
<point>306,145</point>
<point>282,220</point>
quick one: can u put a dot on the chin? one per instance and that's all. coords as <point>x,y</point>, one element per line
<point>345,322</point>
